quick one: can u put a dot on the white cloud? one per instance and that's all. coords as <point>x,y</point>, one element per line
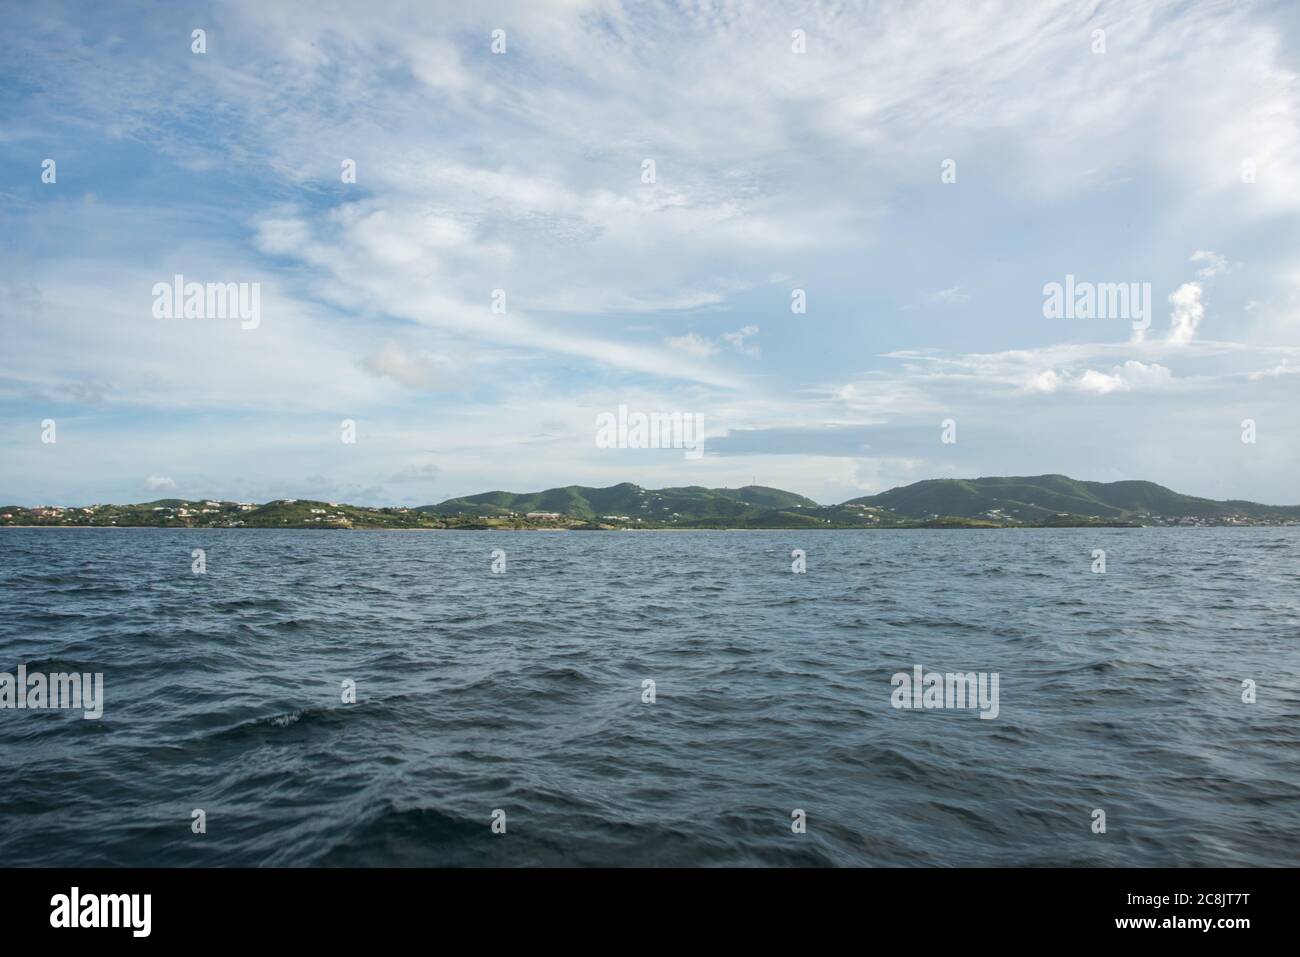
<point>953,296</point>
<point>693,345</point>
<point>1285,367</point>
<point>737,340</point>
<point>700,347</point>
<point>1213,263</point>
<point>1188,313</point>
<point>1049,380</point>
<point>418,270</point>
<point>156,483</point>
<point>1131,376</point>
<point>878,474</point>
<point>425,372</point>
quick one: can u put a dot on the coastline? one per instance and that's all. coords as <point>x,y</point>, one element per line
<point>785,528</point>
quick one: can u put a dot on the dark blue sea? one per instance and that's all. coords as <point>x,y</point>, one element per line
<point>522,692</point>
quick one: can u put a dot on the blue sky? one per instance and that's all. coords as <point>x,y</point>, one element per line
<point>522,171</point>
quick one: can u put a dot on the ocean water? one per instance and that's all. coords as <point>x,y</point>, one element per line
<point>522,692</point>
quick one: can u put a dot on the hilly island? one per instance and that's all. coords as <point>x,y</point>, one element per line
<point>1012,502</point>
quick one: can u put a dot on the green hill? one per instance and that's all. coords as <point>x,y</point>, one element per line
<point>1041,498</point>
<point>1012,500</point>
<point>683,505</point>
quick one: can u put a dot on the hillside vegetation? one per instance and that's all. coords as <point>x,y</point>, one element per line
<point>1041,500</point>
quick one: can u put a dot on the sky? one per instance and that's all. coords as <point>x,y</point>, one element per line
<point>505,269</point>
